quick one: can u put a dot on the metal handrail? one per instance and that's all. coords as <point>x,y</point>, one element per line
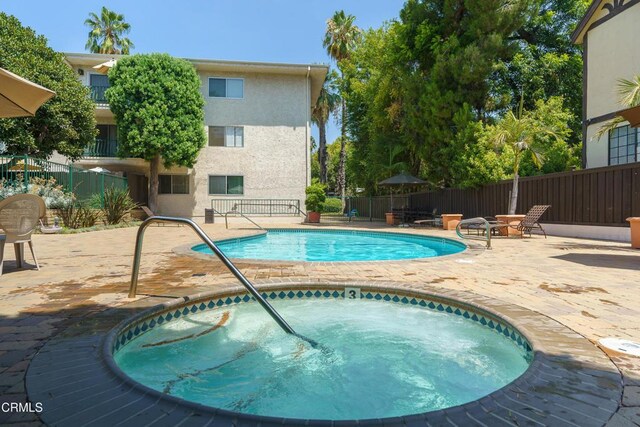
<point>235,211</point>
<point>230,266</point>
<point>479,220</point>
<point>289,205</point>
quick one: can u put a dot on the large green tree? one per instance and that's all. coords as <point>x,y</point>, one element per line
<point>106,33</point>
<point>65,123</point>
<point>546,63</point>
<point>341,38</point>
<point>421,88</point>
<point>157,104</point>
<point>327,103</point>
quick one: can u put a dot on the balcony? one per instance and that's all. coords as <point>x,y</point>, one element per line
<point>97,94</point>
<point>102,148</point>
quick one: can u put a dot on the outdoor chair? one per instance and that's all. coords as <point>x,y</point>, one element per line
<point>353,213</point>
<point>528,223</point>
<point>433,220</point>
<point>19,217</point>
<point>481,227</point>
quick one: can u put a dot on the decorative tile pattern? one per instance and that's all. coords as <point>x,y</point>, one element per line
<point>134,330</point>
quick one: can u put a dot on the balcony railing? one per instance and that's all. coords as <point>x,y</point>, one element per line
<point>97,94</point>
<point>102,148</point>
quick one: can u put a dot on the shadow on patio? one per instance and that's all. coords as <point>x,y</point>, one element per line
<point>625,262</point>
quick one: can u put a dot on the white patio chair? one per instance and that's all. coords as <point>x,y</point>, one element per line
<point>19,217</point>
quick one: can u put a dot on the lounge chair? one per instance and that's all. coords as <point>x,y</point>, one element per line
<point>434,220</point>
<point>480,226</point>
<point>529,222</point>
<point>19,217</point>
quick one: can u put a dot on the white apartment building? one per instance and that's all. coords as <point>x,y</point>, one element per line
<point>258,122</point>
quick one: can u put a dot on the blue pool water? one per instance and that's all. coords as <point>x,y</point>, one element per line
<point>378,359</point>
<point>326,245</point>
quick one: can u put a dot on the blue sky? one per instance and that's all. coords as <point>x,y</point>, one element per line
<point>252,30</point>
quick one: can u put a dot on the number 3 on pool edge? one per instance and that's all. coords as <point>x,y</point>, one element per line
<point>351,293</point>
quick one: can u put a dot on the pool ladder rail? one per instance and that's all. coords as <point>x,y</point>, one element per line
<point>230,266</point>
<point>480,224</point>
<point>238,211</point>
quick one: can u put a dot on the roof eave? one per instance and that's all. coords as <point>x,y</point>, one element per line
<point>578,33</point>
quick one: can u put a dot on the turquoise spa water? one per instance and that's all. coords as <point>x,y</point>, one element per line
<point>335,246</point>
<point>384,360</point>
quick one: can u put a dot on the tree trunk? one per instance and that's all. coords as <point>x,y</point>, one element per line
<point>514,195</point>
<point>154,167</point>
<point>322,152</point>
<point>342,179</point>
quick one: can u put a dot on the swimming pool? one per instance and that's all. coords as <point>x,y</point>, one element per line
<point>384,354</point>
<point>335,245</point>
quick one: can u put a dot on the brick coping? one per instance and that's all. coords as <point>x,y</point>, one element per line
<point>471,248</point>
<point>74,375</point>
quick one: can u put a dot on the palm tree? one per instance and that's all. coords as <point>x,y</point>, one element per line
<point>629,93</point>
<point>106,33</point>
<point>520,133</point>
<point>327,103</point>
<point>340,40</point>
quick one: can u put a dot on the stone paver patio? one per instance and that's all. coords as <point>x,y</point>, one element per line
<point>588,286</point>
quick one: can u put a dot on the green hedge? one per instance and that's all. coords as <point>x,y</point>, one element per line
<point>332,206</point>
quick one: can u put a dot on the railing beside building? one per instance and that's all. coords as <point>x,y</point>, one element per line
<point>262,207</point>
<point>102,148</point>
<point>17,172</point>
<point>97,94</point>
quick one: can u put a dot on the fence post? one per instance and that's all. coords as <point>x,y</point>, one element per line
<point>370,209</point>
<point>70,189</point>
<point>26,174</point>
<point>102,190</point>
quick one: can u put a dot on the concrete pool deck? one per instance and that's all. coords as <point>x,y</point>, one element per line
<point>587,286</point>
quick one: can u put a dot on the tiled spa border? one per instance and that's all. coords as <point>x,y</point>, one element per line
<point>75,379</point>
<point>146,323</point>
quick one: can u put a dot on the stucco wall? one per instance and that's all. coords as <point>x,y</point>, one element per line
<point>274,159</point>
<point>597,149</point>
<point>613,52</point>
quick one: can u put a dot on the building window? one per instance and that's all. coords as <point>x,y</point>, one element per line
<point>174,184</point>
<point>98,84</point>
<point>623,145</point>
<point>226,88</point>
<point>226,136</point>
<point>220,184</point>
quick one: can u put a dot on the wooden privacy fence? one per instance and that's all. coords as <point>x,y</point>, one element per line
<point>599,196</point>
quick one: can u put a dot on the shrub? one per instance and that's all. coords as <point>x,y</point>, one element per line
<point>53,195</point>
<point>79,215</point>
<point>117,205</point>
<point>315,197</point>
<point>332,206</point>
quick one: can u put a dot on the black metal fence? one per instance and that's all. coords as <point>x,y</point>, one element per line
<point>262,207</point>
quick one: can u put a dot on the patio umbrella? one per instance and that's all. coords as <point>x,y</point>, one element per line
<point>401,180</point>
<point>100,170</point>
<point>105,66</point>
<point>632,115</point>
<point>19,97</point>
<point>20,167</point>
